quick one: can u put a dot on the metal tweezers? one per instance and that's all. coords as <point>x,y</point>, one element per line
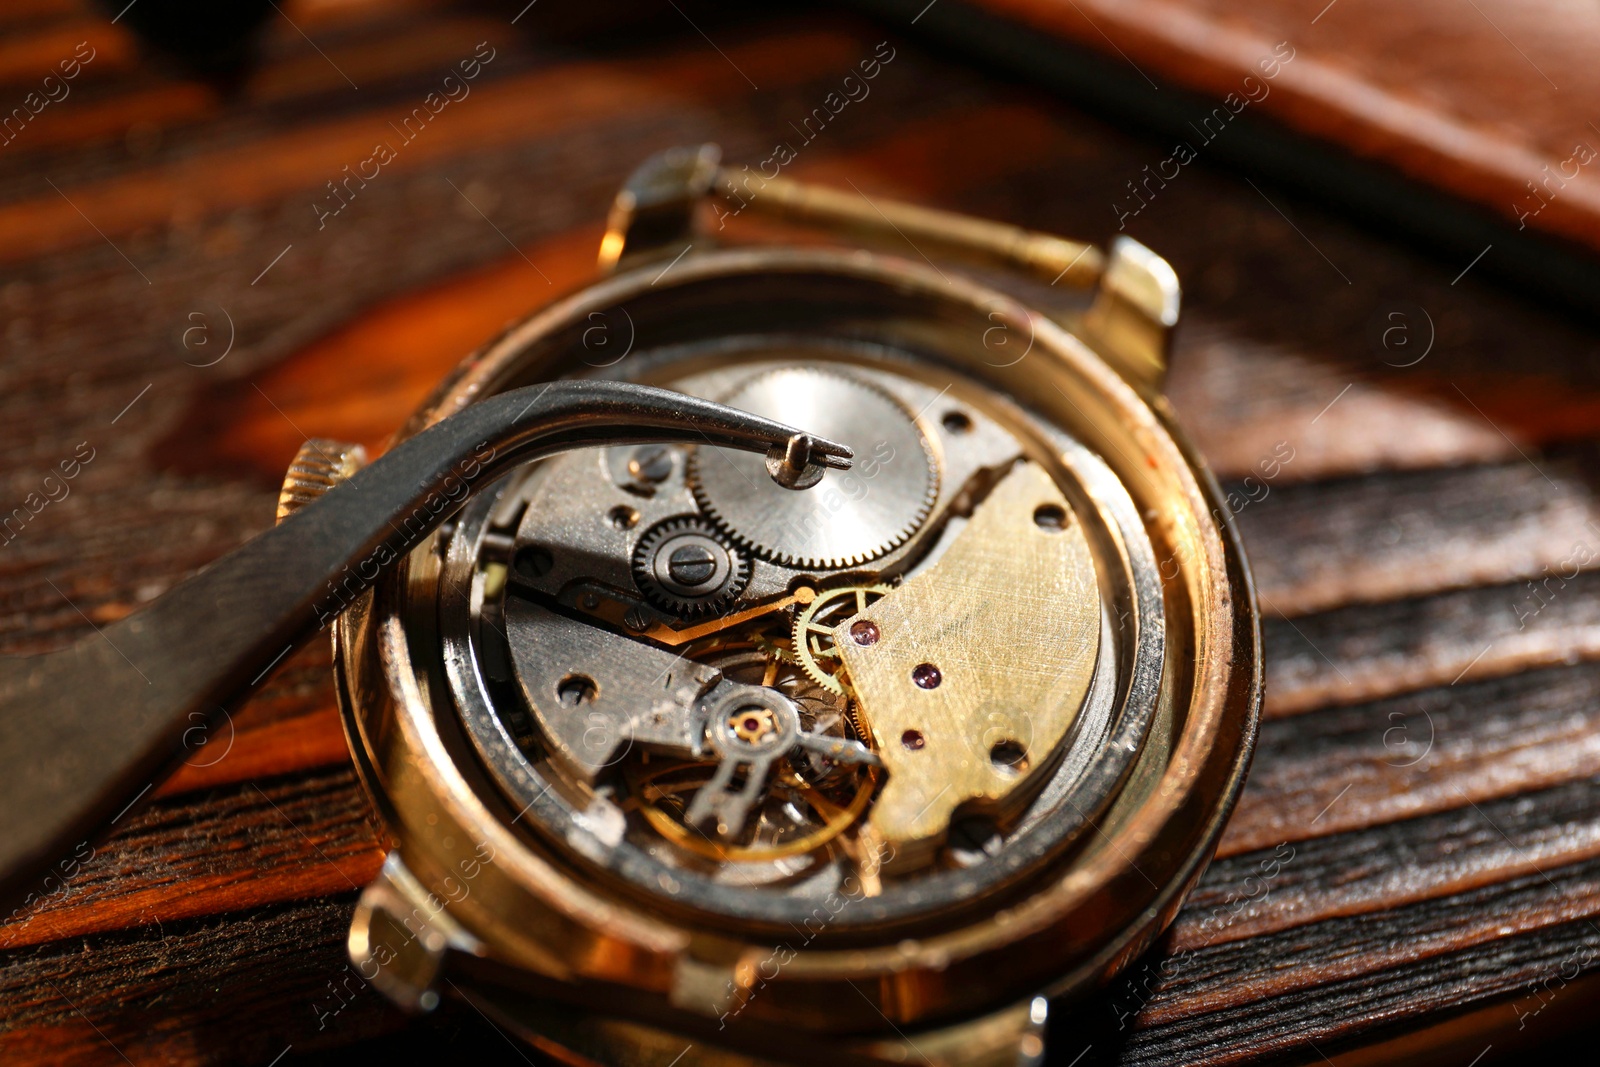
<point>86,731</point>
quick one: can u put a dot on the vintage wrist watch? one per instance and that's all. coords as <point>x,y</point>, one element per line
<point>686,755</point>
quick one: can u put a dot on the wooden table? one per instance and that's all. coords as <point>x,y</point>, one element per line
<point>1417,855</point>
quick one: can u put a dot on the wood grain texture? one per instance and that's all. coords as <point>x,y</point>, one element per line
<point>1391,865</point>
<point>1420,834</point>
<point>1482,117</point>
<point>242,988</point>
<point>1414,754</point>
<point>1417,532</point>
<point>1261,1023</point>
<point>207,853</point>
<point>1366,651</point>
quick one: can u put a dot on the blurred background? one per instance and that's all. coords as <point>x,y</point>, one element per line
<point>226,228</point>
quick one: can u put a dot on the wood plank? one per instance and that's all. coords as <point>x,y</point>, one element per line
<point>498,114</point>
<point>262,750</point>
<point>1294,1025</point>
<point>1404,534</point>
<point>1368,651</point>
<point>111,99</point>
<point>1373,869</point>
<point>1467,110</point>
<point>26,11</point>
<point>110,118</point>
<point>1249,400</point>
<point>152,995</point>
<point>229,849</point>
<point>1346,768</point>
<point>26,57</point>
<point>384,362</point>
<point>1235,974</point>
<point>384,56</point>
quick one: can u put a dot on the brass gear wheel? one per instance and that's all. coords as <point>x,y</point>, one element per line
<point>813,631</point>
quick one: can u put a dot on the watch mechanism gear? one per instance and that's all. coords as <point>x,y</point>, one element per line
<point>813,635</point>
<point>776,645</point>
<point>685,566</point>
<point>810,799</point>
<point>850,517</point>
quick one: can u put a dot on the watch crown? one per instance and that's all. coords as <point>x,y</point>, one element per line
<point>321,464</point>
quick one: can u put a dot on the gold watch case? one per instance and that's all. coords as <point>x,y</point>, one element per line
<point>492,892</point>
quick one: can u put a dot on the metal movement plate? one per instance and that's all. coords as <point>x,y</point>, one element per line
<point>972,672</point>
<point>596,695</point>
<point>851,516</point>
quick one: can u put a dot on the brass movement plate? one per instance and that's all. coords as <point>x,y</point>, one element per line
<point>980,663</point>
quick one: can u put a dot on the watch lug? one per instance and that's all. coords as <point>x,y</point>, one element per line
<point>1010,1037</point>
<point>713,977</point>
<point>400,934</point>
<point>1130,322</point>
<point>655,209</point>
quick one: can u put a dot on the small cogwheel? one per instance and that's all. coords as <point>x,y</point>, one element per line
<point>685,566</point>
<point>858,723</point>
<point>776,647</point>
<point>814,626</point>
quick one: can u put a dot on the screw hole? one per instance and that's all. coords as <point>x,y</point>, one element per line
<point>623,517</point>
<point>956,422</point>
<point>576,689</point>
<point>1009,757</point>
<point>1051,518</point>
<point>913,740</point>
<point>973,839</point>
<point>651,463</point>
<point>533,562</point>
